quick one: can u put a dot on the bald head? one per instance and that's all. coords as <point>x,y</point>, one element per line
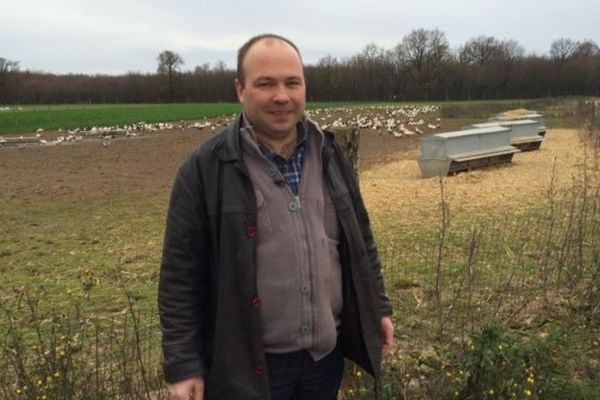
<point>267,39</point>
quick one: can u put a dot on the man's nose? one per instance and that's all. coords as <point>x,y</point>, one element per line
<point>281,94</point>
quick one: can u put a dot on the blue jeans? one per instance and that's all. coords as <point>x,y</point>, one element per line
<point>296,376</point>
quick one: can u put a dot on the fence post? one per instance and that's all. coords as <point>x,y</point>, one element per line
<point>349,140</point>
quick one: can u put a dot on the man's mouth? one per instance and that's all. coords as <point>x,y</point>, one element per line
<point>280,113</point>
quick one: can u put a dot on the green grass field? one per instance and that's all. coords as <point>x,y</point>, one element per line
<point>52,117</point>
<point>27,119</point>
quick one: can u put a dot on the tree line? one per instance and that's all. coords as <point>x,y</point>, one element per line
<point>421,67</point>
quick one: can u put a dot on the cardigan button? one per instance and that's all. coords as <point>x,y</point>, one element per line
<point>293,206</point>
<point>304,329</point>
<point>251,232</point>
<point>256,303</point>
<point>259,370</point>
<point>305,288</point>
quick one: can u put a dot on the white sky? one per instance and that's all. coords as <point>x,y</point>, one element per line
<point>114,37</point>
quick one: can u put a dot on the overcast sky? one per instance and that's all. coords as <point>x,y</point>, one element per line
<point>117,36</point>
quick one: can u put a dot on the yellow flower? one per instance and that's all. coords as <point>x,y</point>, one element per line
<point>57,375</point>
<point>40,382</point>
<point>530,379</point>
<point>62,354</point>
<point>491,392</point>
<point>528,392</point>
<point>18,392</point>
<point>358,374</point>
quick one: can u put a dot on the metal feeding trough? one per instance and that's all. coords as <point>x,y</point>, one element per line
<point>539,118</point>
<point>447,153</point>
<point>524,133</point>
<point>20,140</point>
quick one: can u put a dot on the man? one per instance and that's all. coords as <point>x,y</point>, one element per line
<point>270,275</point>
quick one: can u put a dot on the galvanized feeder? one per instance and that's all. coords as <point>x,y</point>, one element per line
<point>539,118</point>
<point>524,132</point>
<point>19,140</point>
<point>447,153</point>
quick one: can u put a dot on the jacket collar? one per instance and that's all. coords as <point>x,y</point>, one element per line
<point>229,148</point>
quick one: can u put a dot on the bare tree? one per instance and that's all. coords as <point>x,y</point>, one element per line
<point>511,50</point>
<point>480,50</point>
<point>478,56</point>
<point>488,63</point>
<point>586,65</point>
<point>372,53</point>
<point>586,48</point>
<point>169,64</point>
<point>8,65</point>
<point>202,69</point>
<point>222,79</point>
<point>326,80</point>
<point>562,49</point>
<point>425,53</point>
<point>7,71</point>
<point>220,66</point>
<point>371,72</point>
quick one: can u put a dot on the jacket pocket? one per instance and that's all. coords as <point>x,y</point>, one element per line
<point>331,221</point>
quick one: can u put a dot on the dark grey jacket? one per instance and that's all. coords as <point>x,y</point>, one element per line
<point>207,294</point>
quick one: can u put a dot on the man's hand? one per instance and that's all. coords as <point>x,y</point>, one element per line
<point>189,389</point>
<point>387,331</point>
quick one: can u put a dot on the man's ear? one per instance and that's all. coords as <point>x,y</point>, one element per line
<point>239,89</point>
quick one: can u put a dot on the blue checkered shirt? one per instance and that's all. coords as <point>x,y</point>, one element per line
<point>290,169</point>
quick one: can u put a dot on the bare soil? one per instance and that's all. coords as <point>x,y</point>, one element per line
<point>146,166</point>
<point>87,170</point>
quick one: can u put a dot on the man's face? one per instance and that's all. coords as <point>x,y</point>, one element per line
<point>273,93</point>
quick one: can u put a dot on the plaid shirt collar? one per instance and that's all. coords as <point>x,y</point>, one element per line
<point>290,169</point>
